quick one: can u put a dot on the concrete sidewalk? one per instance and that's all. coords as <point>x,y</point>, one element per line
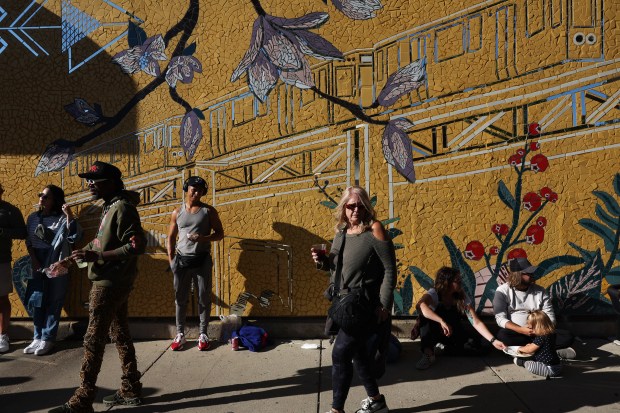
<point>287,378</point>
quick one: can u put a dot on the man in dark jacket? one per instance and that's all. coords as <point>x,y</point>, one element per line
<point>112,267</point>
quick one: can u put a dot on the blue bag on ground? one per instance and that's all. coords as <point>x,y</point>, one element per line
<point>254,338</point>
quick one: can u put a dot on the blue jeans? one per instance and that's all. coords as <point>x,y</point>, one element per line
<point>46,318</point>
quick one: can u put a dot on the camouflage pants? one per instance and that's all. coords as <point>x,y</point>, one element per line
<point>107,314</point>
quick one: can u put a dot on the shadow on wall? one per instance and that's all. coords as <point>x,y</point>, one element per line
<point>262,272</point>
<point>36,83</point>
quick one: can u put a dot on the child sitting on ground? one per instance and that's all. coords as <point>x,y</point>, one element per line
<point>544,361</point>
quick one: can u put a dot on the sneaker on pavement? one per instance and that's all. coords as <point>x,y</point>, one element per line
<point>425,362</point>
<point>567,353</point>
<point>374,406</point>
<point>440,348</point>
<point>44,348</point>
<point>518,362</point>
<point>4,343</point>
<point>178,342</point>
<point>203,342</point>
<point>32,346</point>
<point>116,399</point>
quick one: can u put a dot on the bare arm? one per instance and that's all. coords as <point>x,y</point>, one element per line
<point>173,231</point>
<point>424,307</point>
<point>529,349</point>
<point>482,329</point>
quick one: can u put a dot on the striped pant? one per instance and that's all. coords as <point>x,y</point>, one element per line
<point>541,369</point>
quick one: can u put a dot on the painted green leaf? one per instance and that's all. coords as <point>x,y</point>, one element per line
<point>329,204</point>
<point>373,201</point>
<point>398,303</point>
<point>606,218</point>
<point>610,203</point>
<point>135,35</point>
<point>388,221</point>
<point>600,230</point>
<point>585,254</point>
<point>505,195</point>
<point>617,184</point>
<point>578,292</point>
<point>398,246</point>
<point>394,232</point>
<point>420,276</point>
<point>458,262</point>
<point>552,264</point>
<point>407,293</point>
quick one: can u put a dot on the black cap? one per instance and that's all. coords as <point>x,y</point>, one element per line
<point>523,265</point>
<point>101,171</point>
<point>196,182</point>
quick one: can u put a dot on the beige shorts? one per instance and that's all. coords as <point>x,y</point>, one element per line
<point>6,279</point>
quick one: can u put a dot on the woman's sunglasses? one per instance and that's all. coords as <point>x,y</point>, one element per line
<point>351,207</point>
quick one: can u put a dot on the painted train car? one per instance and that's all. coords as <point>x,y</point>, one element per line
<point>488,36</point>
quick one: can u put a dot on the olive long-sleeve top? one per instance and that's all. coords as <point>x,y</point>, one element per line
<point>366,261</point>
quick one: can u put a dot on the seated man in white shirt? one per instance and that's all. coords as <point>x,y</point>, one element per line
<point>515,299</point>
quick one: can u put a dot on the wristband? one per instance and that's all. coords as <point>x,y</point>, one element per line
<point>492,340</point>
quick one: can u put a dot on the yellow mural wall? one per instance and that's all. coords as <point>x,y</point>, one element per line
<point>475,81</point>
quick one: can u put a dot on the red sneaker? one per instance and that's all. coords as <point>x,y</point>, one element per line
<point>178,342</point>
<point>203,342</point>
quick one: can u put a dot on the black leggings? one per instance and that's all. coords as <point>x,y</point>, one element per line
<point>431,332</point>
<point>349,350</point>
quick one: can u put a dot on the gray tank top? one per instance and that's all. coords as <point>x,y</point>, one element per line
<point>189,223</point>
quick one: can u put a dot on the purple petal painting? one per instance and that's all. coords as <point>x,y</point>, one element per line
<point>397,148</point>
<point>358,9</point>
<point>191,134</point>
<point>403,81</point>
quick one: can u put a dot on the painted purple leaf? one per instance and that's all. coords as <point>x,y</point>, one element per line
<point>314,45</point>
<point>56,156</point>
<point>309,21</point>
<point>397,148</point>
<point>280,50</point>
<point>300,78</point>
<point>83,112</point>
<point>358,9</point>
<point>191,134</point>
<point>142,57</point>
<point>252,52</point>
<point>262,77</point>
<point>182,68</point>
<point>403,81</point>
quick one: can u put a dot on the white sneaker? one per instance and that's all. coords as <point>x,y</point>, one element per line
<point>4,343</point>
<point>32,346</point>
<point>567,353</point>
<point>44,348</point>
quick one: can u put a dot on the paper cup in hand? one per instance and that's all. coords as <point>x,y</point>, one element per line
<point>320,249</point>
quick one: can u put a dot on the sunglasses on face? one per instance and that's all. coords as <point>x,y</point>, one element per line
<point>43,196</point>
<point>351,207</point>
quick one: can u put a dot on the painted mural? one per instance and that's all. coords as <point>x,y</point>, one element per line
<point>483,130</point>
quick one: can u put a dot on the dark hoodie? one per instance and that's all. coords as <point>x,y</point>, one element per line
<point>119,222</point>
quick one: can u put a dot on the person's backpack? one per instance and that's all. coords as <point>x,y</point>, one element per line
<point>254,338</point>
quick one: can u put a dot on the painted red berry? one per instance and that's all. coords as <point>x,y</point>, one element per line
<point>493,251</point>
<point>541,222</point>
<point>474,250</point>
<point>546,192</point>
<point>553,197</point>
<point>532,201</point>
<point>533,129</point>
<point>517,253</point>
<point>521,152</point>
<point>539,163</point>
<point>535,235</point>
<point>515,160</point>
<point>500,229</point>
<point>534,146</point>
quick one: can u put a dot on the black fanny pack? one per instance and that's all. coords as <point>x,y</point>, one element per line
<point>190,261</point>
